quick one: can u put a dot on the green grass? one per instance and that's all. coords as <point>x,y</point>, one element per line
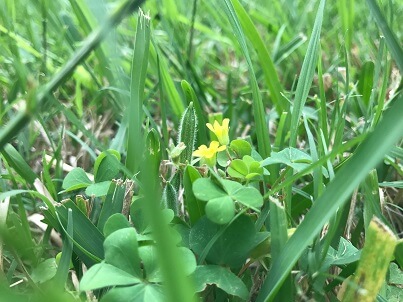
<point>91,106</point>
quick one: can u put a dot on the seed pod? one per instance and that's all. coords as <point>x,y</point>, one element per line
<point>170,198</point>
<point>187,133</point>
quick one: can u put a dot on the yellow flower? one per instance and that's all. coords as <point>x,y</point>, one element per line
<point>209,155</point>
<point>221,131</point>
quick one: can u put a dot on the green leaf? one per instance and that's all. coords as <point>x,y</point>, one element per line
<point>76,179</point>
<point>237,169</point>
<point>194,207</point>
<point>348,177</point>
<point>231,248</point>
<point>113,202</point>
<point>15,160</point>
<point>346,253</point>
<point>255,168</point>
<point>87,239</point>
<point>107,166</point>
<point>366,81</point>
<point>121,250</point>
<point>103,274</point>
<point>66,254</point>
<point>45,271</point>
<point>137,293</point>
<point>292,157</point>
<point>265,60</point>
<point>115,222</point>
<point>222,278</point>
<point>205,189</point>
<point>220,210</point>
<point>399,253</point>
<point>396,274</point>
<point>149,257</point>
<point>98,189</point>
<point>241,147</point>
<point>248,196</point>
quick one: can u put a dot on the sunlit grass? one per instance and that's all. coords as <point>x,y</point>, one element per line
<point>303,149</point>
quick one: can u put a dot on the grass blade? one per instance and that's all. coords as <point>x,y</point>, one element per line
<point>262,131</point>
<point>346,180</point>
<point>64,264</point>
<point>391,40</point>
<point>135,108</point>
<point>307,73</point>
<point>265,60</point>
<point>21,120</point>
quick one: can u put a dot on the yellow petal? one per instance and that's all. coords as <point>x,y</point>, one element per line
<point>210,126</point>
<point>225,123</point>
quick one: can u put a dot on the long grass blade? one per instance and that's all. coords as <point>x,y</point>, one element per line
<point>135,108</point>
<point>391,40</point>
<point>21,120</point>
<point>262,131</point>
<point>346,180</point>
<point>266,62</point>
<point>307,73</point>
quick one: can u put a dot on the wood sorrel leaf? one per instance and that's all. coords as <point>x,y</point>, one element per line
<point>241,147</point>
<point>121,250</point>
<point>222,278</point>
<point>115,222</point>
<point>205,189</point>
<point>232,248</point>
<point>248,196</point>
<point>103,275</point>
<point>220,210</point>
<point>76,179</point>
<point>138,292</point>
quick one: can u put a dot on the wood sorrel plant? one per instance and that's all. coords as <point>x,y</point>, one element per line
<point>225,197</point>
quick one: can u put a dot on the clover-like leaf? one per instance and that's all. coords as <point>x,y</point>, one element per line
<point>220,210</point>
<point>292,157</point>
<point>103,274</point>
<point>232,248</point>
<point>205,189</point>
<point>140,292</point>
<point>106,166</point>
<point>76,179</point>
<point>248,196</point>
<point>238,169</point>
<point>241,147</point>
<point>115,222</point>
<point>222,278</point>
<point>121,250</point>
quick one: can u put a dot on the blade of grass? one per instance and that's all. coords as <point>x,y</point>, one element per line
<point>262,131</point>
<point>346,180</point>
<point>135,108</point>
<point>394,47</point>
<point>322,100</point>
<point>265,60</point>
<point>67,250</point>
<point>346,11</point>
<point>178,287</point>
<point>17,162</point>
<point>306,75</point>
<point>92,41</point>
<point>279,237</point>
<point>170,91</point>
